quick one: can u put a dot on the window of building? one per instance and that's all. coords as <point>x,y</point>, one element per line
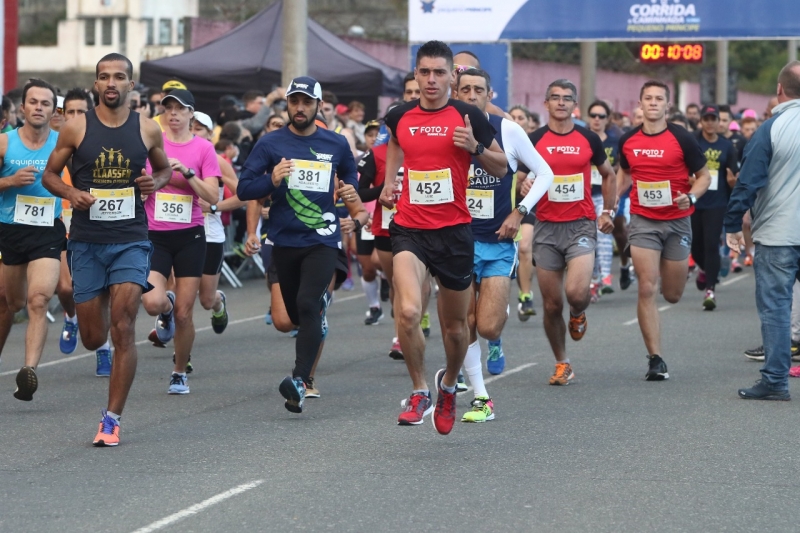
<point>89,32</point>
<point>150,39</point>
<point>123,31</point>
<point>165,32</point>
<point>107,26</point>
<point>179,37</point>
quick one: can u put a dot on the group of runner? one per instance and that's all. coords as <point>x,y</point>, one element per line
<point>454,194</point>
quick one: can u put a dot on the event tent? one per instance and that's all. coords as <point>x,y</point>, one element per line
<point>249,57</point>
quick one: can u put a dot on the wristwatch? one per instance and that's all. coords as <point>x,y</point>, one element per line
<point>522,210</point>
<point>478,149</point>
<point>213,209</point>
<point>692,199</point>
<point>609,212</point>
<point>356,225</point>
<point>190,174</point>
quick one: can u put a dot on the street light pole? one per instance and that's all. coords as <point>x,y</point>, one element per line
<point>295,40</point>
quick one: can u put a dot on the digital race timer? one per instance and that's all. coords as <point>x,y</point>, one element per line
<point>671,53</point>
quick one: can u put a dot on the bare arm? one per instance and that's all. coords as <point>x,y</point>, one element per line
<point>624,181</point>
<point>162,172</point>
<point>609,187</point>
<point>68,139</point>
<point>493,160</point>
<point>394,159</point>
<point>731,177</point>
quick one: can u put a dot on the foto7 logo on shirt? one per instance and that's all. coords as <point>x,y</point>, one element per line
<point>648,153</point>
<point>569,150</point>
<point>430,131</point>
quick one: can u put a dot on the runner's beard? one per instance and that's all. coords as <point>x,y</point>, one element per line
<point>301,126</point>
<point>121,99</point>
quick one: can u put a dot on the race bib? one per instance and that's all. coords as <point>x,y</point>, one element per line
<point>34,210</point>
<point>430,187</point>
<point>66,217</point>
<point>480,203</point>
<point>597,179</point>
<point>112,204</point>
<point>655,194</point>
<point>386,216</point>
<point>366,235</point>
<point>173,208</point>
<point>566,189</point>
<point>714,180</point>
<point>311,176</point>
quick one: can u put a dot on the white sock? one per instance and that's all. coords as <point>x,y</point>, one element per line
<point>474,370</point>
<point>72,319</point>
<point>106,346</point>
<point>371,289</point>
<point>115,416</point>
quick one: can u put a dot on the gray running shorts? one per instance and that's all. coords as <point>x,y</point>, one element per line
<point>673,238</point>
<point>557,243</point>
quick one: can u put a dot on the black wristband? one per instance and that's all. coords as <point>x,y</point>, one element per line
<point>356,225</point>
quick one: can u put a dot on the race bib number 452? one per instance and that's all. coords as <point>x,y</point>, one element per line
<point>311,176</point>
<point>430,187</point>
<point>112,204</point>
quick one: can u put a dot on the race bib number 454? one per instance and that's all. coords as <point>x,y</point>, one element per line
<point>566,189</point>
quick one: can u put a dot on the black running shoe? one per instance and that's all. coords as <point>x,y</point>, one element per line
<point>625,277</point>
<point>755,354</point>
<point>761,391</point>
<point>384,290</point>
<point>27,383</point>
<point>374,315</point>
<point>657,370</point>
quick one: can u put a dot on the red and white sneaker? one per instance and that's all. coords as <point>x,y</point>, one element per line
<point>417,406</point>
<point>444,415</point>
<point>396,352</point>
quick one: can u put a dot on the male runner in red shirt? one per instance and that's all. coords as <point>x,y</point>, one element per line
<point>659,158</point>
<point>433,138</point>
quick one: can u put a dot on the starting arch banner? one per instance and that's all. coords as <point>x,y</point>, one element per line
<point>601,20</point>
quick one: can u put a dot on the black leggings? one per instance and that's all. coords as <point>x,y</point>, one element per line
<point>706,232</point>
<point>304,275</point>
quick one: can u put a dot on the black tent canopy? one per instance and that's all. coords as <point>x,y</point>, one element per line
<point>249,57</point>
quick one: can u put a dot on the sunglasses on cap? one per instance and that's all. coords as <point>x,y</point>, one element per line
<point>601,116</point>
<point>458,69</point>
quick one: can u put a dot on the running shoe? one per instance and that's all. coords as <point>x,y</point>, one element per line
<point>27,383</point>
<point>374,315</point>
<point>607,286</point>
<point>347,285</point>
<point>496,362</point>
<point>189,367</point>
<point>69,337</point>
<point>153,338</point>
<point>425,324</point>
<point>794,372</point>
<point>692,264</point>
<point>594,291</point>
<point>311,389</point>
<point>625,277</point>
<point>384,290</point>
<point>444,415</point>
<point>709,303</point>
<point>220,322</point>
<point>107,433</point>
<point>700,280</point>
<point>657,370</point>
<point>396,352</point>
<point>577,326</point>
<point>562,375</point>
<point>103,369</point>
<point>736,266</point>
<point>748,260</point>
<point>755,354</point>
<point>762,391</point>
<point>525,308</point>
<point>178,384</point>
<point>461,385</point>
<point>268,317</point>
<point>415,408</point>
<point>294,390</point>
<point>482,410</point>
<point>795,351</point>
<point>165,323</point>
<point>294,332</point>
<point>724,265</point>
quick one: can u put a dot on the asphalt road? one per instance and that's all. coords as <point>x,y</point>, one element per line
<point>610,452</point>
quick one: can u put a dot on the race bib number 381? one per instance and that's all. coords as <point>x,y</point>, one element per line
<point>311,176</point>
<point>430,187</point>
<point>112,204</point>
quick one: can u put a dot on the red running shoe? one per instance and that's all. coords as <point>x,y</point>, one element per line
<point>444,416</point>
<point>416,407</point>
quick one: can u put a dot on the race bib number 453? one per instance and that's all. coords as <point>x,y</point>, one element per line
<point>654,194</point>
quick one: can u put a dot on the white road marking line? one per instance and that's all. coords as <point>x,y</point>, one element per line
<point>194,509</point>
<point>734,280</point>
<point>636,320</point>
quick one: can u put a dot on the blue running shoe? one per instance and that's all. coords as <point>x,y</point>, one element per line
<point>294,390</point>
<point>268,317</point>
<point>165,323</point>
<point>497,360</point>
<point>178,384</point>
<point>69,337</point>
<point>103,363</point>
<point>294,332</point>
<point>326,302</point>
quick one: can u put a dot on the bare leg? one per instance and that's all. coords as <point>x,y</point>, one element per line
<point>525,269</point>
<point>453,307</point>
<point>408,276</point>
<point>210,299</point>
<point>185,295</point>
<point>64,288</point>
<point>647,262</point>
<point>125,299</point>
<point>6,316</point>
<point>551,285</point>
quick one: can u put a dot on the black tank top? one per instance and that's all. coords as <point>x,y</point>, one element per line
<point>109,158</point>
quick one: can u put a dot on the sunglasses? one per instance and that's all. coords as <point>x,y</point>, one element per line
<point>458,69</point>
<point>598,115</point>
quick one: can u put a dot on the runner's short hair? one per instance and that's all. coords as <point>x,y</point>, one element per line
<point>601,104</point>
<point>36,82</point>
<point>78,94</point>
<point>115,57</point>
<point>467,52</point>
<point>329,98</point>
<point>789,78</point>
<point>562,84</point>
<point>525,111</point>
<point>436,49</point>
<point>476,72</point>
<point>654,83</point>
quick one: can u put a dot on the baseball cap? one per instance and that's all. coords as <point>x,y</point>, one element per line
<point>306,85</point>
<point>372,124</point>
<point>184,97</point>
<point>171,85</point>
<point>341,109</point>
<point>204,119</point>
<point>734,126</point>
<point>749,113</point>
<point>709,110</point>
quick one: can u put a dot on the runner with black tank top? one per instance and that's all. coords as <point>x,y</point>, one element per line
<point>434,138</point>
<point>109,251</point>
<point>658,159</point>
<point>177,231</point>
<point>31,230</point>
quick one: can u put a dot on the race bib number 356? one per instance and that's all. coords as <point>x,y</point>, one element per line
<point>112,204</point>
<point>311,176</point>
<point>654,194</point>
<point>173,208</point>
<point>34,210</point>
<point>430,187</point>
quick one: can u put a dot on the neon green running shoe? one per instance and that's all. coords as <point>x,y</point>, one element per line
<point>425,323</point>
<point>482,410</point>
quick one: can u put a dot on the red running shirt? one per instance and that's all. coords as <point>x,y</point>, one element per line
<point>426,138</point>
<point>666,158</point>
<point>372,171</point>
<point>571,156</point>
